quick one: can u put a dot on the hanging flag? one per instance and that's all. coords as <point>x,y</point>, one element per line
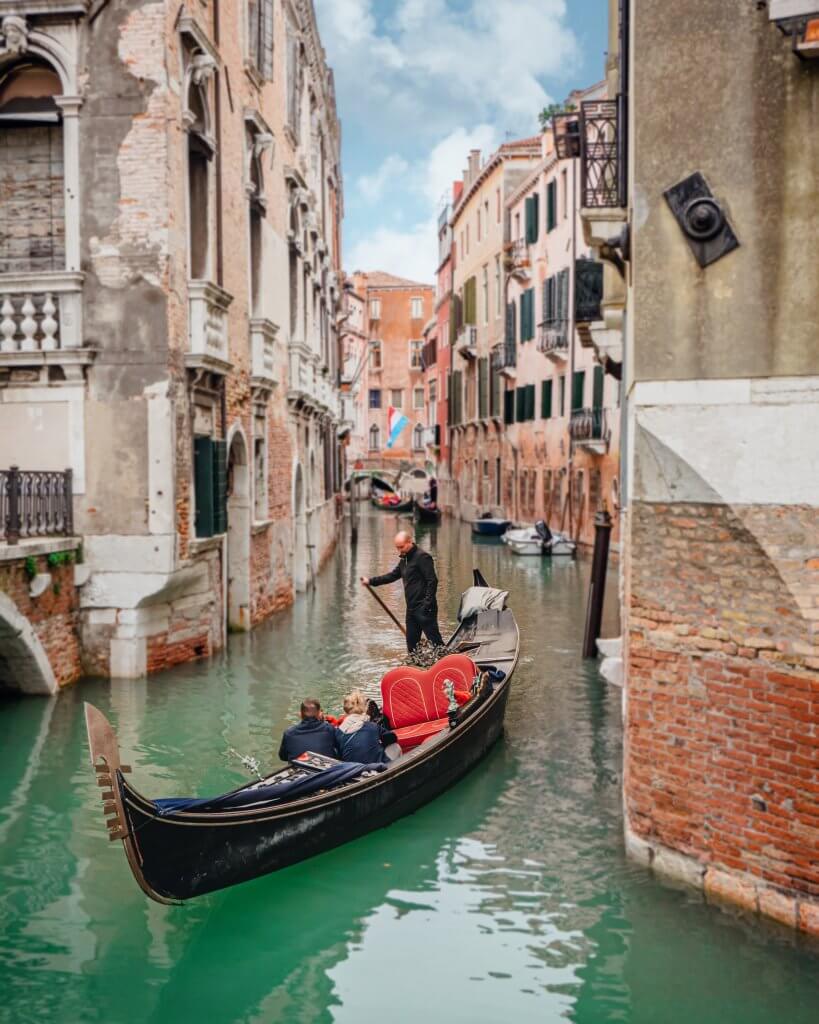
<point>396,421</point>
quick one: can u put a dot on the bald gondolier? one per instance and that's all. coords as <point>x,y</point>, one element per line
<point>417,572</point>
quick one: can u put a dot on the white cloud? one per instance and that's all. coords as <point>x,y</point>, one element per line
<point>432,63</point>
<point>408,253</point>
<point>373,186</point>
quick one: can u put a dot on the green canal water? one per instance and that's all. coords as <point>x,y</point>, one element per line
<point>507,899</point>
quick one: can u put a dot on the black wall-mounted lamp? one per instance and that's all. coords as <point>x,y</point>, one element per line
<point>798,19</point>
<point>702,219</point>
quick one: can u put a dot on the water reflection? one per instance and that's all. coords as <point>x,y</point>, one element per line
<point>507,897</point>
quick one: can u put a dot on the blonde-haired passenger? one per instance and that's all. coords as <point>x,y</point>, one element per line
<point>360,739</point>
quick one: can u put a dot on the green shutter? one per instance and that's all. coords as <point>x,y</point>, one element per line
<point>520,404</point>
<point>530,401</point>
<point>546,400</point>
<point>578,387</point>
<point>470,301</point>
<point>203,464</point>
<point>535,216</point>
<point>220,486</point>
<point>528,218</point>
<point>564,295</point>
<point>597,388</point>
<point>483,388</point>
<point>563,394</point>
<point>510,322</point>
<point>509,406</point>
<point>551,206</point>
<point>494,392</point>
<point>523,317</point>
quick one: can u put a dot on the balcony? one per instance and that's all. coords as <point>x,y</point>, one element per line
<point>516,260</point>
<point>602,156</point>
<point>589,429</point>
<point>308,386</point>
<point>208,326</point>
<point>553,340</point>
<point>467,341</point>
<point>505,359</point>
<point>41,319</point>
<point>263,352</point>
<point>35,503</point>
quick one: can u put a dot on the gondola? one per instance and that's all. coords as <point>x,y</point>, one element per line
<point>387,504</point>
<point>487,526</point>
<point>426,513</point>
<point>180,849</point>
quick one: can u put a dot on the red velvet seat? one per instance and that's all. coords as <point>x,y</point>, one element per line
<point>415,700</point>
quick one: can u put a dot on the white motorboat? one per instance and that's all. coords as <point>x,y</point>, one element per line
<point>539,540</point>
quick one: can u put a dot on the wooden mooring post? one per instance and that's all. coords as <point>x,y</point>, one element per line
<point>597,584</point>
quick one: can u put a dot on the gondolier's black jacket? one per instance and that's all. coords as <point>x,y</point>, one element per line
<point>417,571</point>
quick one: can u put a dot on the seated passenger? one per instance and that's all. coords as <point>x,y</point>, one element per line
<point>312,733</point>
<point>358,737</point>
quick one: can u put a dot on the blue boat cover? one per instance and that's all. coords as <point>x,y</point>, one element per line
<point>260,794</point>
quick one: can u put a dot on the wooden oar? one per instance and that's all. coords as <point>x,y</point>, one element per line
<point>386,609</point>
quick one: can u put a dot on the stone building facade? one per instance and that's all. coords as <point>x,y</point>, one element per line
<point>710,308</point>
<point>169,302</point>
<point>481,467</point>
<point>396,311</point>
<point>561,410</point>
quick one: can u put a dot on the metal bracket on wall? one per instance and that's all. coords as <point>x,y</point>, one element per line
<point>702,219</point>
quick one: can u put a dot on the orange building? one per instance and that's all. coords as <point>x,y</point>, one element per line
<point>396,311</point>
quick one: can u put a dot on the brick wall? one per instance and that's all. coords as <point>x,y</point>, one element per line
<point>722,731</point>
<point>53,616</point>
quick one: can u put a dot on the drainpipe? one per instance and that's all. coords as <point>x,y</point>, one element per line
<point>570,382</point>
<point>217,115</point>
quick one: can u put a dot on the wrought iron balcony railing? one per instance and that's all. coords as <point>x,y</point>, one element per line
<point>35,503</point>
<point>504,356</point>
<point>553,338</point>
<point>589,427</point>
<point>602,155</point>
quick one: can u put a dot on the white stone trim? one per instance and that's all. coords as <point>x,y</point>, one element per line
<point>736,442</point>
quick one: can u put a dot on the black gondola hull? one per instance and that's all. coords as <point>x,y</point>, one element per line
<point>183,860</point>
<point>427,515</point>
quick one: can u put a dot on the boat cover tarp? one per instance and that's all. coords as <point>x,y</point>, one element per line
<point>258,793</point>
<point>481,599</point>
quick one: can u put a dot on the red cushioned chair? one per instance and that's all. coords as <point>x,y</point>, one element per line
<point>415,699</point>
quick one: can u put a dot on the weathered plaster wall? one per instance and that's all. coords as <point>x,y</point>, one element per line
<point>740,108</point>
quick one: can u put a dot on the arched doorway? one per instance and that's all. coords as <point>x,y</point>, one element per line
<point>300,550</point>
<point>24,665</point>
<point>238,544</point>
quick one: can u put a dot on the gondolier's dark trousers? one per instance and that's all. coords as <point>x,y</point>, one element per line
<point>418,623</point>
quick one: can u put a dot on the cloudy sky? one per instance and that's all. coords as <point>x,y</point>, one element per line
<point>421,82</point>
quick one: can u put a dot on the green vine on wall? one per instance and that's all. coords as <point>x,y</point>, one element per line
<point>30,567</point>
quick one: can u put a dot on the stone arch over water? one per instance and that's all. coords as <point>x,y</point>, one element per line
<point>24,665</point>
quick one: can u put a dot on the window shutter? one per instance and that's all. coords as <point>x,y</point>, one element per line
<point>203,463</point>
<point>535,216</point>
<point>578,387</point>
<point>520,404</point>
<point>470,296</point>
<point>531,312</point>
<point>266,48</point>
<point>597,388</point>
<point>530,401</point>
<point>509,406</point>
<point>220,486</point>
<point>551,206</point>
<point>546,400</point>
<point>564,295</point>
<point>253,49</point>
<point>510,322</point>
<point>483,387</point>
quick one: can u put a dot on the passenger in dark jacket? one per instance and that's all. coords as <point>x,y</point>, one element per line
<point>359,738</point>
<point>417,571</point>
<point>312,733</point>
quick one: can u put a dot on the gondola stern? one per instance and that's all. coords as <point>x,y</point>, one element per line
<point>105,760</point>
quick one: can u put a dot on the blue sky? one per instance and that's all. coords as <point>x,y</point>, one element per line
<point>421,82</point>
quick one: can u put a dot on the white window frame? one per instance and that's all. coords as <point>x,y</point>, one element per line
<point>416,345</point>
<point>415,393</point>
<point>417,303</point>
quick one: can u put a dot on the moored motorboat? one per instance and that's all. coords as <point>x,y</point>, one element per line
<point>539,540</point>
<point>185,847</point>
<point>488,526</point>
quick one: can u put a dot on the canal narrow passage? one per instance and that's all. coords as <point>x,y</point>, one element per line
<point>508,898</point>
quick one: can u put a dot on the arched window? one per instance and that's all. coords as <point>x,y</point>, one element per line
<point>200,155</point>
<point>418,438</point>
<point>32,214</point>
<point>375,354</point>
<point>256,142</point>
<point>375,438</point>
